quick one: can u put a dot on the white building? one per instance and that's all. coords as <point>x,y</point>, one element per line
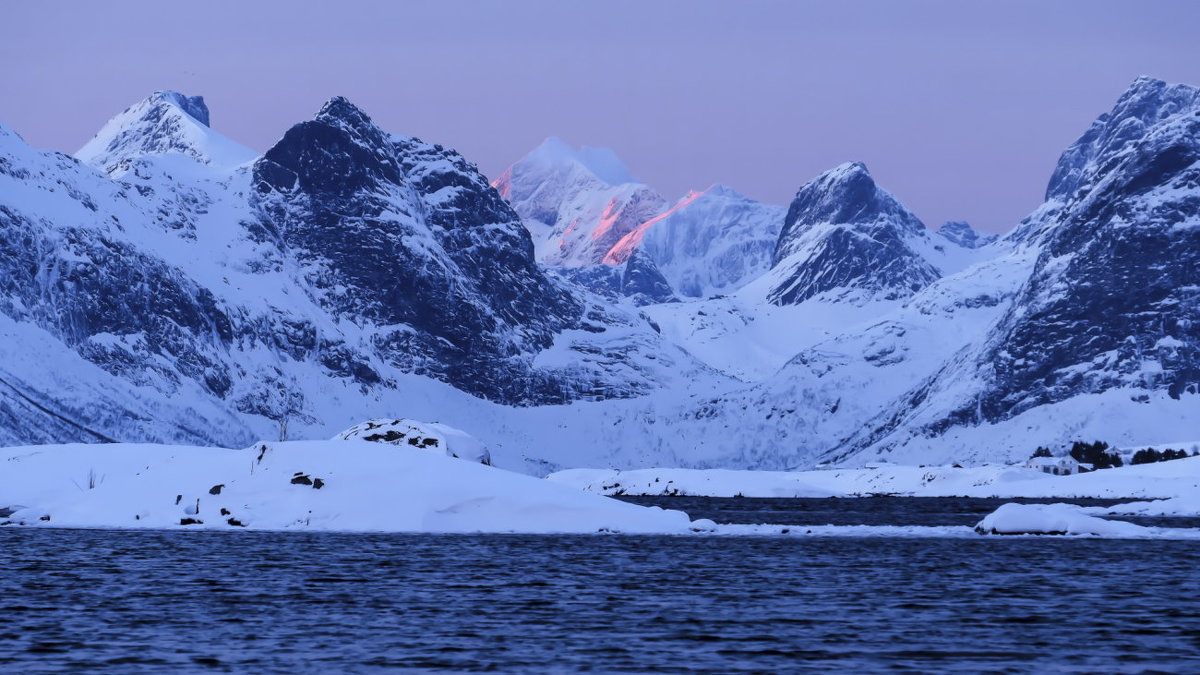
<point>1058,466</point>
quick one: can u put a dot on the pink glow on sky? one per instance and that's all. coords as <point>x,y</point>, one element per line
<point>626,245</point>
<point>959,108</point>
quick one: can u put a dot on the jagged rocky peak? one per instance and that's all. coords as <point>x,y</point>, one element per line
<point>576,204</point>
<point>843,231</point>
<point>339,151</point>
<point>1111,302</point>
<point>1147,103</point>
<point>166,122</point>
<point>962,234</point>
<point>409,237</point>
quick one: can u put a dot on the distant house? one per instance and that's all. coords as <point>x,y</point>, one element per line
<point>1058,466</point>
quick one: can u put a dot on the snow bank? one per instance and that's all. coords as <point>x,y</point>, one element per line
<point>318,485</point>
<point>1184,505</point>
<point>693,482</point>
<point>1163,480</point>
<point>884,479</point>
<point>421,435</point>
<point>1055,519</point>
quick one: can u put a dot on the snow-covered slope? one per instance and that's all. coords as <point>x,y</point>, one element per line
<point>708,243</point>
<point>166,122</point>
<point>1102,334</point>
<point>576,203</point>
<point>215,304</point>
<point>1163,480</point>
<point>315,485</point>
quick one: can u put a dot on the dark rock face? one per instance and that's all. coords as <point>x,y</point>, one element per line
<point>392,230</point>
<point>1115,294</point>
<point>637,279</point>
<point>642,281</point>
<point>843,231</point>
<point>192,105</point>
<point>78,283</point>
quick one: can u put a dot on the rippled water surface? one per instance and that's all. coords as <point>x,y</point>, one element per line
<point>118,601</point>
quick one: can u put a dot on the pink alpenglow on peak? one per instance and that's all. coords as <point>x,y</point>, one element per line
<point>625,247</point>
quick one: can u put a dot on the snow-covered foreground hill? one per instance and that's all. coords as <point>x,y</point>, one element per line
<point>317,485</point>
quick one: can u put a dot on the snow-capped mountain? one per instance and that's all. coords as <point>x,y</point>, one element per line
<point>166,122</point>
<point>844,233</point>
<point>206,303</point>
<point>1100,335</point>
<point>577,204</point>
<point>708,243</point>
<point>167,291</point>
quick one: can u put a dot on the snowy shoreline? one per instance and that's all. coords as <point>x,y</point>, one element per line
<point>355,486</point>
<point>1160,481</point>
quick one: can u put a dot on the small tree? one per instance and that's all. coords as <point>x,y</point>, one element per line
<point>1147,456</point>
<point>1096,454</point>
<point>1041,452</point>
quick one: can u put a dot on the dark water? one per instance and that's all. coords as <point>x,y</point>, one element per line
<point>872,510</point>
<point>117,601</point>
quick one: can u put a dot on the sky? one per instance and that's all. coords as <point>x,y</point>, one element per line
<point>960,109</point>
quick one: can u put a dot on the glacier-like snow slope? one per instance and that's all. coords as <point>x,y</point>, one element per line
<point>577,204</point>
<point>917,379</point>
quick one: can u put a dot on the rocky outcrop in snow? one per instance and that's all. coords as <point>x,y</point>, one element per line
<point>421,435</point>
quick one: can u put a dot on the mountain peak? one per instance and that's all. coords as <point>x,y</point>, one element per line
<point>192,105</point>
<point>1148,102</point>
<point>340,109</point>
<point>847,195</point>
<point>961,233</point>
<point>843,231</point>
<point>603,163</point>
<point>166,122</point>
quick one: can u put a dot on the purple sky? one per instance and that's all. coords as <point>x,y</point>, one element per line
<point>959,108</point>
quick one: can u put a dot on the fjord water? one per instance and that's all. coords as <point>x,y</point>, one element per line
<point>126,601</point>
